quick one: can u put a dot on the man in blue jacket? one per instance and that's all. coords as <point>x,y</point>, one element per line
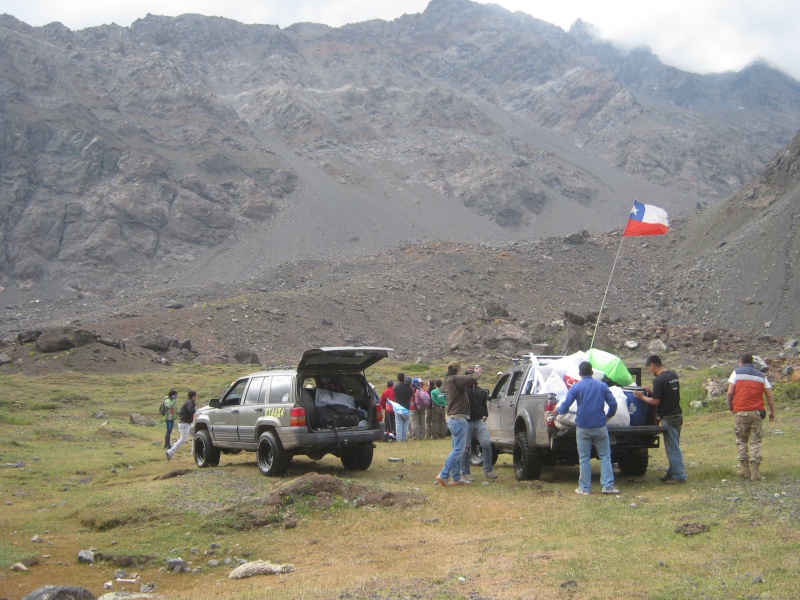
<point>591,428</point>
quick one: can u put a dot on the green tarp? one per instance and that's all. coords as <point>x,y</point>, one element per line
<point>611,365</point>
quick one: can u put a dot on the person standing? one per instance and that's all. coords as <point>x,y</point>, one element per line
<point>455,389</point>
<point>478,413</point>
<point>429,412</point>
<point>402,397</point>
<point>666,398</point>
<point>185,419</point>
<point>591,429</point>
<point>170,402</point>
<point>747,388</point>
<point>388,411</point>
<point>420,407</point>
<point>438,408</point>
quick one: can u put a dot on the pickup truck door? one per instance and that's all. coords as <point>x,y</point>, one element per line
<point>224,427</point>
<point>252,409</point>
<point>495,403</point>
<point>508,409</point>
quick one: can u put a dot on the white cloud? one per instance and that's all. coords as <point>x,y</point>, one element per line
<point>697,35</point>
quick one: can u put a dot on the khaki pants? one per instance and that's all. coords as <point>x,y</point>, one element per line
<point>438,422</point>
<point>747,427</point>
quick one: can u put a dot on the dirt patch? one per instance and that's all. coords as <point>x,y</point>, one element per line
<point>314,490</point>
<point>690,529</point>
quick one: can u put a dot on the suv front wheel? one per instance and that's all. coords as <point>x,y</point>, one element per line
<point>205,454</point>
<point>273,460</point>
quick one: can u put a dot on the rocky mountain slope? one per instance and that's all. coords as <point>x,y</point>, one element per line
<point>198,151</point>
<point>721,282</point>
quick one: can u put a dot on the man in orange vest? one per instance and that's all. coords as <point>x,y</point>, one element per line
<point>747,387</point>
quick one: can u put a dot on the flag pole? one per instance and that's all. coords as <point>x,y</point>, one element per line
<point>608,285</point>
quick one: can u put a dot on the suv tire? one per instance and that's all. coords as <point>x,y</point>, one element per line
<point>476,454</point>
<point>205,454</point>
<point>273,460</point>
<point>358,458</point>
<point>527,462</point>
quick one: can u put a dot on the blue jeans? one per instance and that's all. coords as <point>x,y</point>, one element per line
<point>167,441</point>
<point>479,431</point>
<point>672,446</point>
<point>401,422</point>
<point>599,437</point>
<point>458,433</point>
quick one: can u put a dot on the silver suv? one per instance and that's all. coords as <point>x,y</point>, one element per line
<point>324,406</point>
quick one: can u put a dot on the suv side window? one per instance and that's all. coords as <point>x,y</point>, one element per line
<point>280,389</point>
<point>253,391</point>
<point>234,395</point>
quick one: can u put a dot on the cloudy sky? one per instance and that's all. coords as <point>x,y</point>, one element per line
<point>701,36</point>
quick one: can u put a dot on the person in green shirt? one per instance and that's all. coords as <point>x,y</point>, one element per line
<point>170,402</point>
<point>438,407</point>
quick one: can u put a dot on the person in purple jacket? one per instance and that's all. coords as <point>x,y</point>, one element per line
<point>590,395</point>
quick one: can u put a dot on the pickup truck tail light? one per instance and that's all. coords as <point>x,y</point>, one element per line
<point>297,417</point>
<point>378,413</point>
<point>549,412</point>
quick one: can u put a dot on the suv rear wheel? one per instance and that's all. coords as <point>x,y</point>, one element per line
<point>273,460</point>
<point>205,454</point>
<point>358,458</point>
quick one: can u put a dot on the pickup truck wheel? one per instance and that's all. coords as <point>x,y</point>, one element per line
<point>527,462</point>
<point>357,459</point>
<point>636,464</point>
<point>273,460</point>
<point>205,454</point>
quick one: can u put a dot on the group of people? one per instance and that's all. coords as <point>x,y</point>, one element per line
<point>184,416</point>
<point>748,387</point>
<point>413,409</point>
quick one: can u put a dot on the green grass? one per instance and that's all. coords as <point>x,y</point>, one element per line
<point>87,482</point>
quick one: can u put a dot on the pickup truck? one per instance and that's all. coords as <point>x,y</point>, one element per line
<point>521,422</point>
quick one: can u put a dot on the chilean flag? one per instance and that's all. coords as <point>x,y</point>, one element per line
<point>646,220</point>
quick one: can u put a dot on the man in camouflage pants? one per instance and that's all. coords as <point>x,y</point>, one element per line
<point>747,387</point>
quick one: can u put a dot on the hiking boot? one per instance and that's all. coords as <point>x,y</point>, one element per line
<point>441,480</point>
<point>461,482</point>
<point>490,475</point>
<point>581,492</point>
<point>744,469</point>
<point>665,478</point>
<point>673,481</point>
<point>754,474</point>
<point>467,477</point>
<point>611,490</point>
<point>168,456</point>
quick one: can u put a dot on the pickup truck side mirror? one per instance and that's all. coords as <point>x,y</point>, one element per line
<point>214,403</point>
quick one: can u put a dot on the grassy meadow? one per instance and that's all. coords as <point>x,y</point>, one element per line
<point>82,482</point>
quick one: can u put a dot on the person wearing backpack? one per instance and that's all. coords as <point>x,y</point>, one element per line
<point>167,410</point>
<point>420,406</point>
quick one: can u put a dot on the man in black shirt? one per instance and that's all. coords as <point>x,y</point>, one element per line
<point>666,397</point>
<point>478,413</point>
<point>402,396</point>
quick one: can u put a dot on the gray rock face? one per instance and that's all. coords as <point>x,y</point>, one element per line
<point>94,195</point>
<point>63,338</point>
<point>246,357</point>
<point>85,556</point>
